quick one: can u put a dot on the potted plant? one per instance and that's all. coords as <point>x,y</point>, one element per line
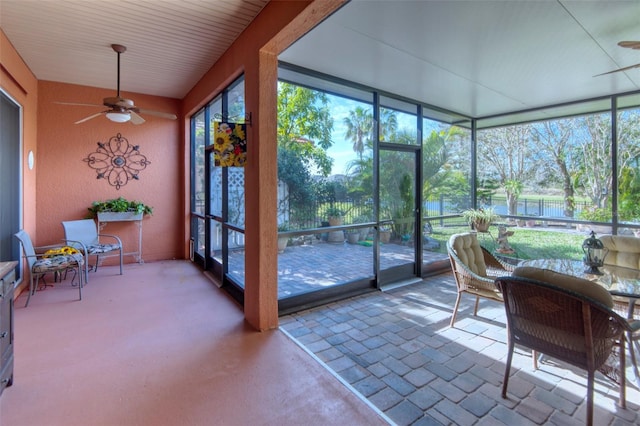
<point>353,236</point>
<point>364,232</point>
<point>480,219</point>
<point>385,234</point>
<point>334,215</point>
<point>118,209</point>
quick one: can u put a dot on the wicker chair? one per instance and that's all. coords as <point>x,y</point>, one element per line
<point>624,250</point>
<point>567,318</point>
<point>474,270</point>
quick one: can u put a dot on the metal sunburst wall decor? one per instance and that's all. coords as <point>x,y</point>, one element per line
<point>117,161</point>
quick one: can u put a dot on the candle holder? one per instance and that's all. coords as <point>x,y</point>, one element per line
<point>594,254</point>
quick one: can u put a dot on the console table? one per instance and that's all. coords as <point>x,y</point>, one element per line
<point>7,285</point>
<point>105,217</point>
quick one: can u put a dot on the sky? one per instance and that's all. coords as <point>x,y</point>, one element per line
<point>342,149</point>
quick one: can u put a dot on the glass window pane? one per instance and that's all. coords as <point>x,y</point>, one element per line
<point>198,237</point>
<point>398,122</point>
<point>215,185</point>
<point>235,203</point>
<point>594,173</point>
<point>198,166</point>
<point>629,160</point>
<point>398,205</point>
<point>325,173</point>
<point>236,259</point>
<point>557,168</point>
<point>446,167</point>
<point>215,114</point>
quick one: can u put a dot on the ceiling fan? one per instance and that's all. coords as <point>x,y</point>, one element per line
<point>120,109</point>
<point>635,45</point>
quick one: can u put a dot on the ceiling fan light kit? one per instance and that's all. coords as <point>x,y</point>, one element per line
<point>120,109</point>
<point>118,117</point>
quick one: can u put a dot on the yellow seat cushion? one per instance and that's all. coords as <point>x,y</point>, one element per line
<point>575,284</point>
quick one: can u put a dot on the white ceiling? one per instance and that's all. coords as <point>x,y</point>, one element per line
<point>476,58</point>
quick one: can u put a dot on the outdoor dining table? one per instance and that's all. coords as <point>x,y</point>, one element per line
<point>619,281</point>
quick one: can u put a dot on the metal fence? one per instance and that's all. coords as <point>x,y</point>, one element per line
<point>438,206</point>
<point>311,215</point>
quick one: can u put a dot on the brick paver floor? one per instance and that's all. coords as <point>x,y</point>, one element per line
<point>396,350</point>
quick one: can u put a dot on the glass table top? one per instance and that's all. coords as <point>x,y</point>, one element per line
<point>618,280</point>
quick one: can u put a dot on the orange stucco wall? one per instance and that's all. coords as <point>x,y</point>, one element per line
<point>20,84</point>
<point>61,186</point>
<point>67,185</point>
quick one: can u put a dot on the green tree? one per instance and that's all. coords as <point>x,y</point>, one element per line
<point>436,168</point>
<point>594,175</point>
<point>629,165</point>
<point>304,135</point>
<point>360,177</point>
<point>629,199</point>
<point>359,126</point>
<point>508,155</point>
<point>388,124</point>
<point>555,137</point>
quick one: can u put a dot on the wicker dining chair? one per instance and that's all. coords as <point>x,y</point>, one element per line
<point>566,318</point>
<point>474,270</point>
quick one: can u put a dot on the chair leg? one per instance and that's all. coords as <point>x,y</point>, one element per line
<point>455,309</point>
<point>534,357</point>
<point>590,379</point>
<point>120,260</point>
<point>80,282</point>
<point>507,369</point>
<point>86,268</point>
<point>31,289</point>
<point>622,401</point>
<point>633,346</point>
<point>475,308</point>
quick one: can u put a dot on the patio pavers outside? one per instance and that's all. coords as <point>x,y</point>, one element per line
<point>397,350</point>
<point>310,267</point>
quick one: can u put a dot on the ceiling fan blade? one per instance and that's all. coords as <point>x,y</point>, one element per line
<point>135,118</point>
<point>630,44</point>
<point>77,104</point>
<point>90,117</point>
<point>157,113</point>
<point>619,70</point>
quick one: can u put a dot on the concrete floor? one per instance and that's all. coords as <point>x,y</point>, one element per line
<point>161,345</point>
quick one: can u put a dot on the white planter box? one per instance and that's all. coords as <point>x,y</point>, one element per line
<point>118,216</point>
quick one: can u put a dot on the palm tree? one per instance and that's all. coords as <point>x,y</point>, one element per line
<point>388,124</point>
<point>359,124</point>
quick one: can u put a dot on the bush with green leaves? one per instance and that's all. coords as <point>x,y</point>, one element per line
<point>118,205</point>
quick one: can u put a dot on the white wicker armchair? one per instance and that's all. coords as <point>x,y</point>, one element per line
<point>474,270</point>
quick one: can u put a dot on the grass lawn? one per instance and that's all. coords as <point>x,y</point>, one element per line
<point>528,243</point>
